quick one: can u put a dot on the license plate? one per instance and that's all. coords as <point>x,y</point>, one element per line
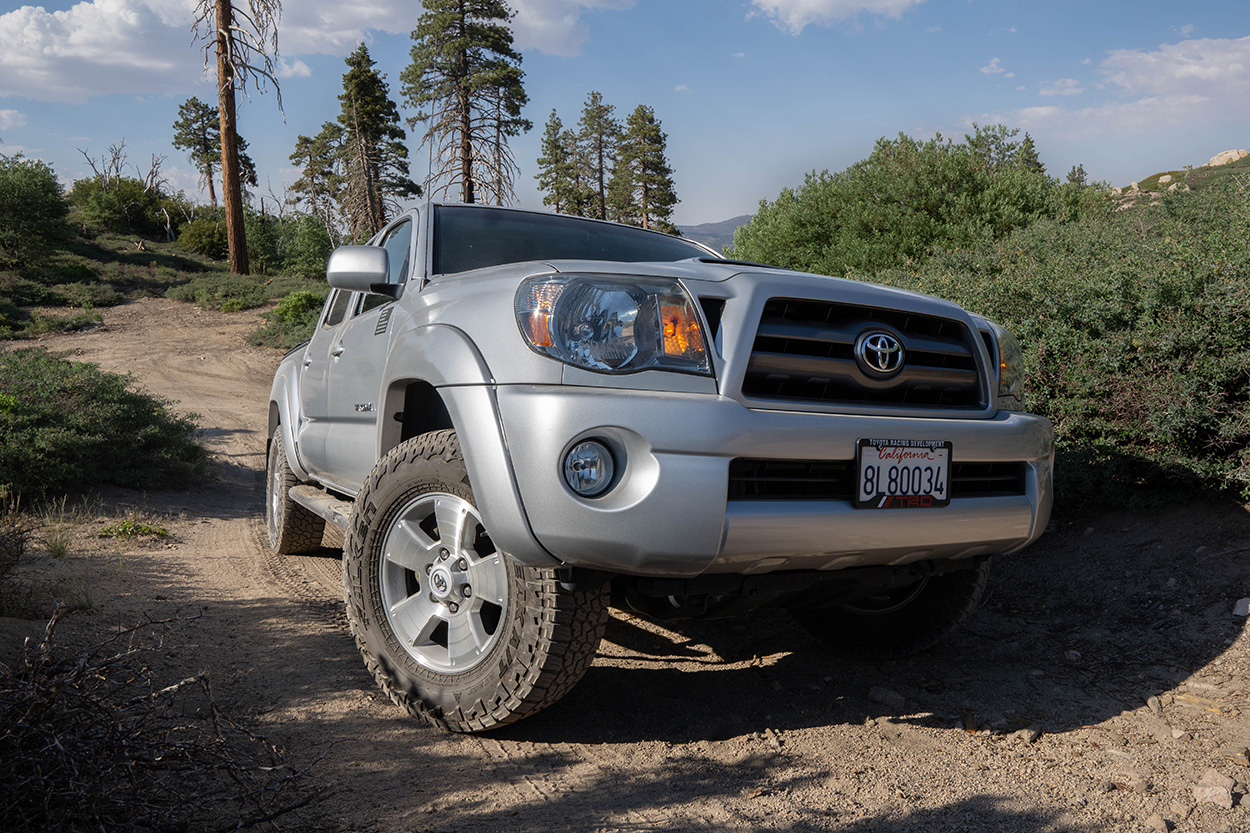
<point>903,474</point>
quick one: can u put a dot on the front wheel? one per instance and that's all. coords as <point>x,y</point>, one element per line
<point>899,621</point>
<point>453,629</point>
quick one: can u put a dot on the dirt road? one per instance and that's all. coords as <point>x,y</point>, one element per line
<point>1034,718</point>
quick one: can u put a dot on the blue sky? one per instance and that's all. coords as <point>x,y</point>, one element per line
<point>752,93</point>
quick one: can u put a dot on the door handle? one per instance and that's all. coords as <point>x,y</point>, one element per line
<point>337,351</point>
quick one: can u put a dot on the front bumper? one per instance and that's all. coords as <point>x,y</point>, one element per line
<point>669,513</point>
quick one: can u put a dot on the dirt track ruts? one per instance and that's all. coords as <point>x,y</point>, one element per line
<point>734,724</point>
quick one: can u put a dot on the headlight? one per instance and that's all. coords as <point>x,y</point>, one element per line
<point>1010,369</point>
<point>612,325</point>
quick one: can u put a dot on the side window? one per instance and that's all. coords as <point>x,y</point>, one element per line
<point>397,245</point>
<point>337,308</point>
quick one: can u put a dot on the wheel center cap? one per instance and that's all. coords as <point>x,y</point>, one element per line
<point>440,583</point>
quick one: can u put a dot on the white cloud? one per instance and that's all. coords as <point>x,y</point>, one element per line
<point>1206,67</point>
<point>1186,30</point>
<point>738,55</point>
<point>793,15</point>
<point>932,30</point>
<point>97,47</point>
<point>681,88</point>
<point>994,67</point>
<point>11,118</point>
<point>292,68</point>
<point>555,26</point>
<point>1064,86</point>
<point>1193,81</point>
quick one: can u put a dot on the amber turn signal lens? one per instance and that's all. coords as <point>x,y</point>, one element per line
<point>680,330</point>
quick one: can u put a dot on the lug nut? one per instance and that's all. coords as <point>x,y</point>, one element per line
<point>429,568</point>
<point>462,565</point>
<point>466,591</point>
<point>453,607</point>
<point>444,554</point>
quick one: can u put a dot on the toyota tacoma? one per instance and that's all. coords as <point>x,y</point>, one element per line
<point>519,418</point>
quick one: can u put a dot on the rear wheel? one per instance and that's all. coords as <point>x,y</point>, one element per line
<point>453,629</point>
<point>903,620</point>
<point>292,529</point>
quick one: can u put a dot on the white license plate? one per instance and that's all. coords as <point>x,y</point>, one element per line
<point>903,474</point>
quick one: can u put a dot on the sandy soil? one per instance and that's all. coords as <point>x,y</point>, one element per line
<point>1104,676</point>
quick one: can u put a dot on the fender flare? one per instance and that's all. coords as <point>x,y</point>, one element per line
<point>445,357</point>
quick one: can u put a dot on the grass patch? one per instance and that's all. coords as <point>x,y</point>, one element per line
<point>130,528</point>
<point>232,293</point>
<point>67,426</point>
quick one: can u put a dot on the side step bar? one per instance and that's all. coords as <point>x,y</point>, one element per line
<point>317,501</point>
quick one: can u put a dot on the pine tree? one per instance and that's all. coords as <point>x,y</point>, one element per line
<point>198,132</point>
<point>374,156</point>
<point>320,183</point>
<point>1027,158</point>
<point>642,191</point>
<point>465,83</point>
<point>562,171</point>
<point>598,136</point>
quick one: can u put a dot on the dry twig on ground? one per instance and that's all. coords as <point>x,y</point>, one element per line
<point>89,740</point>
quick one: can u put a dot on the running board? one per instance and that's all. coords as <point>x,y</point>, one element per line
<point>317,501</point>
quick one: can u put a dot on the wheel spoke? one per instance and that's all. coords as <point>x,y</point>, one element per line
<point>409,547</point>
<point>489,579</point>
<point>466,638</point>
<point>453,523</point>
<point>415,619</point>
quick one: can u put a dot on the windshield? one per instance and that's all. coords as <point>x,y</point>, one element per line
<point>468,237</point>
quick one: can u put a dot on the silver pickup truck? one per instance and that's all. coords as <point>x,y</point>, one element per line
<point>519,418</point>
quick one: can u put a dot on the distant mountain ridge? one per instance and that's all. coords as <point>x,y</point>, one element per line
<point>717,235</point>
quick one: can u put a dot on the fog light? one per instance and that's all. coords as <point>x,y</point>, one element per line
<point>588,468</point>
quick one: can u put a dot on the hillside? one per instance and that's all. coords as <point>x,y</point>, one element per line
<point>717,235</point>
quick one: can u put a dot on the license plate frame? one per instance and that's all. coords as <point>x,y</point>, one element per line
<point>920,478</point>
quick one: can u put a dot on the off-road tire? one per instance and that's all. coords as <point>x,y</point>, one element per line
<point>545,635</point>
<point>291,528</point>
<point>901,622</point>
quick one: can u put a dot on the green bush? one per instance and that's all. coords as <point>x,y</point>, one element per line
<point>85,295</point>
<point>123,205</point>
<point>32,211</point>
<point>68,426</point>
<point>306,247</point>
<point>226,292</point>
<point>292,321</point>
<point>1136,328</point>
<point>204,236</point>
<point>905,200</point>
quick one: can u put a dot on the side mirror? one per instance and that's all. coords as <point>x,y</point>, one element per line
<point>360,269</point>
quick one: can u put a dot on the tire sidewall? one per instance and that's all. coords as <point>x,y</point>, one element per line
<point>472,694</point>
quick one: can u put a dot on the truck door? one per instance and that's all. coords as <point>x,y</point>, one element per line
<point>357,365</point>
<point>314,388</point>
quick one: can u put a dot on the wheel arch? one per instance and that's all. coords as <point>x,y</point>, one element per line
<point>445,383</point>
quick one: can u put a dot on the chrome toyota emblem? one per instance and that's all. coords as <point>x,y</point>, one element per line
<point>879,353</point>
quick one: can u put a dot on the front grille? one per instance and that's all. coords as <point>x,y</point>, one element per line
<point>804,353</point>
<point>756,479</point>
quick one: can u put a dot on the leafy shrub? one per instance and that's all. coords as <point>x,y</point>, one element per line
<point>204,236</point>
<point>230,293</point>
<point>121,204</point>
<point>32,211</point>
<point>306,247</point>
<point>85,295</point>
<point>906,198</point>
<point>67,426</point>
<point>292,321</point>
<point>1136,327</point>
